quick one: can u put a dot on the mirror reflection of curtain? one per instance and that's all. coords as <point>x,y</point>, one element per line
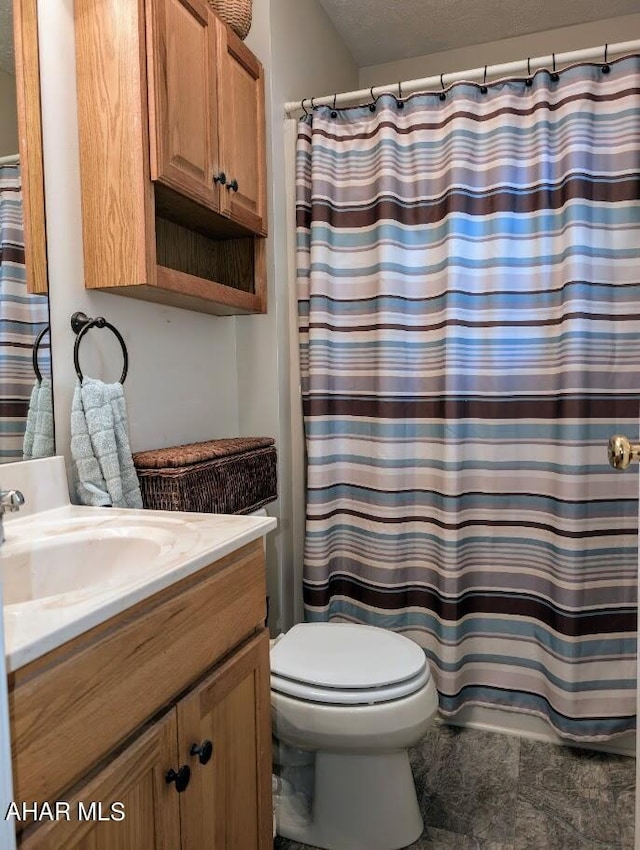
<point>22,317</point>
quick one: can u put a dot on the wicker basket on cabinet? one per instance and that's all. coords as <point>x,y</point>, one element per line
<point>235,13</point>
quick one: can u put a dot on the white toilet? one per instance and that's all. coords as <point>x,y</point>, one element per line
<point>354,698</point>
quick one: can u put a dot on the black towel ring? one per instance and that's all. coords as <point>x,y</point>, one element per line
<point>34,353</point>
<point>80,324</point>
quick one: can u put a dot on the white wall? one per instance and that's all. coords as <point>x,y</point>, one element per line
<point>182,383</point>
<point>544,43</point>
<point>8,115</point>
<point>302,54</point>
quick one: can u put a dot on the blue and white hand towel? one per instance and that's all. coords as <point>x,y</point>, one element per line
<point>102,465</point>
<point>38,435</point>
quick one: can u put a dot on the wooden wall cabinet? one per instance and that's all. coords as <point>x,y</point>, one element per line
<point>206,96</point>
<point>172,155</point>
<point>124,708</point>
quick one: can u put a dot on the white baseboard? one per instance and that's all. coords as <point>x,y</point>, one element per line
<point>530,726</point>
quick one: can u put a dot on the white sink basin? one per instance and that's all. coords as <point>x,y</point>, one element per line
<point>54,562</point>
<point>66,569</point>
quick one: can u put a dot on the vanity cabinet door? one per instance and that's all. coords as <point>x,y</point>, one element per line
<point>228,803</point>
<point>135,781</point>
<point>241,132</point>
<point>181,62</point>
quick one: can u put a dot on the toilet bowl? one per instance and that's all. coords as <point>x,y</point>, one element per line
<point>347,701</point>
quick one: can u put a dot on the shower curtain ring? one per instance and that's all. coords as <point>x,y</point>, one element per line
<point>302,106</point>
<point>374,100</point>
<point>554,75</point>
<point>334,114</point>
<point>606,67</point>
<point>399,100</point>
<point>443,94</point>
<point>529,81</point>
<point>483,87</point>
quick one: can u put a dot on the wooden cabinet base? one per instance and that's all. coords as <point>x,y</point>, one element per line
<point>224,801</point>
<point>103,718</point>
<point>229,799</point>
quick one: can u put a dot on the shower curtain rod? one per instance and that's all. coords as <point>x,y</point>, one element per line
<point>13,159</point>
<point>601,53</point>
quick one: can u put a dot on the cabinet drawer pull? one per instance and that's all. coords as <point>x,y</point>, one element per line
<point>181,778</point>
<point>204,751</point>
<point>233,185</point>
<point>220,178</point>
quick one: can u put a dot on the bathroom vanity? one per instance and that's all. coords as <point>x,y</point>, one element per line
<point>144,693</point>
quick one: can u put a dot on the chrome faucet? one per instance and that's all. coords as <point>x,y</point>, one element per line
<point>10,500</point>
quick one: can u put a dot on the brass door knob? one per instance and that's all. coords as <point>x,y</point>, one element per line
<point>621,452</point>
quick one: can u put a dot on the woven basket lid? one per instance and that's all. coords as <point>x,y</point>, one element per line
<point>176,456</point>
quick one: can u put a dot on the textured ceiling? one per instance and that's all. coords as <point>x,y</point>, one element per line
<point>6,38</point>
<point>377,31</point>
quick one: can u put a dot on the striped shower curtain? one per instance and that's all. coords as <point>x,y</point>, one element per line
<point>469,315</point>
<point>22,317</point>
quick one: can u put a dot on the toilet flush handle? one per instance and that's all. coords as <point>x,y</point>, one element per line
<point>204,751</point>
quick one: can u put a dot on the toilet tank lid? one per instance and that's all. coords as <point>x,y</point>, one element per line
<point>346,655</point>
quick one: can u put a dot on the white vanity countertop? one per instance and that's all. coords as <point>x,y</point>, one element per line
<point>61,547</point>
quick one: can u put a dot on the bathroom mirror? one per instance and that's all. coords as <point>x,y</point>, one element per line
<point>26,398</point>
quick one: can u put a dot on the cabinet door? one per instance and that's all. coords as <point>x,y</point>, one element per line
<point>228,803</point>
<point>181,59</point>
<point>136,780</point>
<point>241,132</point>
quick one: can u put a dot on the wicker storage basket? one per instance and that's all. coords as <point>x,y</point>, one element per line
<point>233,476</point>
<point>235,13</point>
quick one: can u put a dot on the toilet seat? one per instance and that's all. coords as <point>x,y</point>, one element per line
<point>347,664</point>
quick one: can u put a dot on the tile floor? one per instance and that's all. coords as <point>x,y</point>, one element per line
<point>486,791</point>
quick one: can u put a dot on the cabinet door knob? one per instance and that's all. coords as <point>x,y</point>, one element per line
<point>220,178</point>
<point>233,185</point>
<point>204,751</point>
<point>181,778</point>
